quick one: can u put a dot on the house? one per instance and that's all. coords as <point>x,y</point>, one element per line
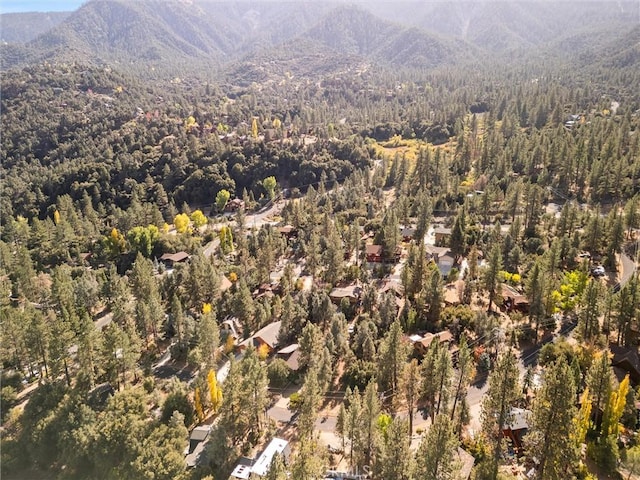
<point>625,361</point>
<point>442,235</point>
<point>513,300</point>
<point>291,355</point>
<point>422,344</point>
<point>170,259</point>
<point>517,428</point>
<point>289,232</point>
<point>265,336</point>
<point>442,257</point>
<point>397,290</point>
<point>407,234</point>
<point>351,292</point>
<point>466,461</point>
<point>231,326</point>
<point>263,462</point>
<point>234,205</point>
<point>260,467</point>
<point>374,253</point>
<point>453,292</point>
<point>197,441</point>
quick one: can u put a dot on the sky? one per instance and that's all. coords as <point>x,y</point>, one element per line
<point>10,6</point>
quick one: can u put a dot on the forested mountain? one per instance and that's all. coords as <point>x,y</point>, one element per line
<point>356,31</point>
<point>171,35</point>
<point>509,26</point>
<point>24,27</point>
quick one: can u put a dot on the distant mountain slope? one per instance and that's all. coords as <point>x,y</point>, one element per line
<point>177,37</point>
<point>358,32</point>
<point>160,33</point>
<point>115,30</point>
<point>24,27</point>
<point>509,25</point>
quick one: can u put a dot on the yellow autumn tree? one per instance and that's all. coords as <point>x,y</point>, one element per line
<point>181,222</point>
<point>206,308</point>
<point>229,344</point>
<point>56,217</point>
<point>263,351</point>
<point>198,219</point>
<point>198,403</point>
<point>254,128</point>
<point>582,421</point>
<point>215,391</point>
<point>615,408</point>
<point>114,243</point>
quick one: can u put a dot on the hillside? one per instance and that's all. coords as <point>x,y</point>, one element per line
<point>358,32</point>
<point>24,27</point>
<point>165,35</point>
<point>173,37</point>
<point>508,26</point>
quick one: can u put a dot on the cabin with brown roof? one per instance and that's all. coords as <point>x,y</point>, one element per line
<point>289,232</point>
<point>267,335</point>
<point>234,205</point>
<point>352,292</point>
<point>442,235</point>
<point>291,355</point>
<point>514,300</point>
<point>626,361</point>
<point>170,259</point>
<point>374,253</point>
<point>422,344</point>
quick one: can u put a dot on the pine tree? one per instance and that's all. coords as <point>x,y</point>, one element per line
<point>277,470</point>
<point>464,374</point>
<point>392,357</point>
<point>436,375</point>
<point>208,335</point>
<point>551,430</point>
<point>491,275</point>
<point>599,385</point>
<point>436,456</point>
<point>411,383</point>
<point>395,458</point>
<point>496,407</point>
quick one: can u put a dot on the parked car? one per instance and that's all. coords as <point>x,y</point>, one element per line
<point>598,271</point>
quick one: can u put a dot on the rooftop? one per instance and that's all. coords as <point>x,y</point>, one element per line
<point>175,257</point>
<point>263,462</point>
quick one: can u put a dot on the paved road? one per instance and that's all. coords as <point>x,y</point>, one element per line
<point>628,268</point>
<point>256,220</point>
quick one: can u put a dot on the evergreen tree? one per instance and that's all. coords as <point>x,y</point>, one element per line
<point>464,374</point>
<point>492,275</point>
<point>411,383</point>
<point>395,460</point>
<point>599,385</point>
<point>436,456</point>
<point>496,407</point>
<point>437,375</point>
<point>551,430</point>
<point>392,357</point>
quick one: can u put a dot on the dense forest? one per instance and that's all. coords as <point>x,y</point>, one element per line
<point>154,227</point>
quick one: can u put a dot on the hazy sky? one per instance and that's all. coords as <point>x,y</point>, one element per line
<point>8,6</point>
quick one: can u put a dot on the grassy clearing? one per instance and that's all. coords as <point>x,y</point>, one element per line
<point>409,147</point>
